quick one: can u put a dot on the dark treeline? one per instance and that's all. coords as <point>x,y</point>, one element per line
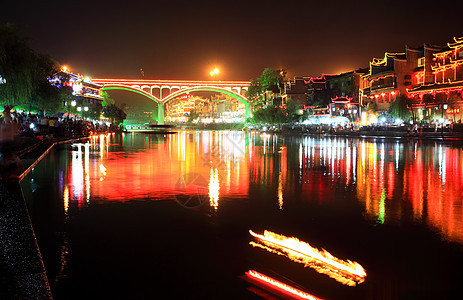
<point>24,75</point>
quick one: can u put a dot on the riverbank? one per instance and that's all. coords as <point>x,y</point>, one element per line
<point>456,133</point>
<point>373,132</point>
<point>22,272</point>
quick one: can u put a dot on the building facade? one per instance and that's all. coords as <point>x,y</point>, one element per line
<point>85,91</point>
<point>439,94</point>
<point>296,89</point>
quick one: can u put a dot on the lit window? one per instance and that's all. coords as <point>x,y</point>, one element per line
<point>420,61</point>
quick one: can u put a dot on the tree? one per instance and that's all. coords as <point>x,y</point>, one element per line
<point>269,115</point>
<point>398,108</point>
<point>427,100</point>
<point>292,111</point>
<point>17,66</point>
<point>25,74</point>
<point>45,96</point>
<point>114,113</point>
<point>107,100</point>
<point>270,80</point>
<point>192,116</point>
<point>255,90</point>
<point>454,103</point>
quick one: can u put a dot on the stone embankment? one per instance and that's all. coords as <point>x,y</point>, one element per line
<point>22,272</point>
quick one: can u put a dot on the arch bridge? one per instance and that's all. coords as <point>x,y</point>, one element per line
<point>162,91</point>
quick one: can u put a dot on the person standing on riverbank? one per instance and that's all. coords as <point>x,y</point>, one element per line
<point>10,165</point>
<point>8,129</point>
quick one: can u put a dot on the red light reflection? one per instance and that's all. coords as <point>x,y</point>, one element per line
<point>278,286</point>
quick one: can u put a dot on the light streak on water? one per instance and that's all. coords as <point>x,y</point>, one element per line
<point>344,271</point>
<point>280,286</point>
<point>214,188</point>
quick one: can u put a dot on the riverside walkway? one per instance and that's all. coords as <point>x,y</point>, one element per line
<point>22,272</point>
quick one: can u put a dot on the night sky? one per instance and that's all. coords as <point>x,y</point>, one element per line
<point>185,40</point>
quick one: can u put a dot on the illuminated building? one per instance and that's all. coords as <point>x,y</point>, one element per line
<point>87,91</point>
<point>179,108</point>
<point>394,74</point>
<point>297,90</point>
<point>334,95</point>
<point>344,89</point>
<point>85,99</point>
<point>317,91</point>
<point>346,85</point>
<point>387,78</point>
<point>431,75</point>
<point>219,108</point>
<point>440,83</point>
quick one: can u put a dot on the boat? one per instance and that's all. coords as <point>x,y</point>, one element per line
<point>150,128</point>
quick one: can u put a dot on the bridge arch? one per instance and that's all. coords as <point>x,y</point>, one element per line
<point>107,87</point>
<point>186,90</point>
<point>183,90</point>
<point>138,90</point>
<point>225,91</point>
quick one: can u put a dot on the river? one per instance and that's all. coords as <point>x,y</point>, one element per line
<point>143,216</point>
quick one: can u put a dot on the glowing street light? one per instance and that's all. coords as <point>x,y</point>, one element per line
<point>214,72</point>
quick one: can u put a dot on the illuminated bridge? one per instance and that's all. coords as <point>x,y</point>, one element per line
<point>162,91</point>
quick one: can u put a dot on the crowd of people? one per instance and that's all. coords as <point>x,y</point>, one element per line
<point>18,126</point>
<point>52,127</point>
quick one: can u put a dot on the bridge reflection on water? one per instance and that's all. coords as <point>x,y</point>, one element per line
<point>392,180</point>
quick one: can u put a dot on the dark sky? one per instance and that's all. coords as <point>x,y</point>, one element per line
<point>185,40</point>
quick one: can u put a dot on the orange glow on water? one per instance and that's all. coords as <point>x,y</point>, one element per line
<point>280,286</point>
<point>153,172</point>
<point>345,271</point>
<point>214,187</point>
<point>429,179</point>
<point>392,181</point>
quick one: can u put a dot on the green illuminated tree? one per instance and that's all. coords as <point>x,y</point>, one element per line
<point>107,100</point>
<point>25,74</point>
<point>270,81</point>
<point>17,66</point>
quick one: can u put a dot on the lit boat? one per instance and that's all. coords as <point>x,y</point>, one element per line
<point>149,128</point>
<point>345,271</point>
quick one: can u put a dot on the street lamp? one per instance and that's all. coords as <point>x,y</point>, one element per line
<point>444,107</point>
<point>214,72</point>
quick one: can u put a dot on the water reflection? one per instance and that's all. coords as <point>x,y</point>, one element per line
<point>392,179</point>
<point>214,188</point>
<point>149,167</point>
<point>272,283</point>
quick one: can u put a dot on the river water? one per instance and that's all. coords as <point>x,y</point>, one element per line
<point>140,216</point>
